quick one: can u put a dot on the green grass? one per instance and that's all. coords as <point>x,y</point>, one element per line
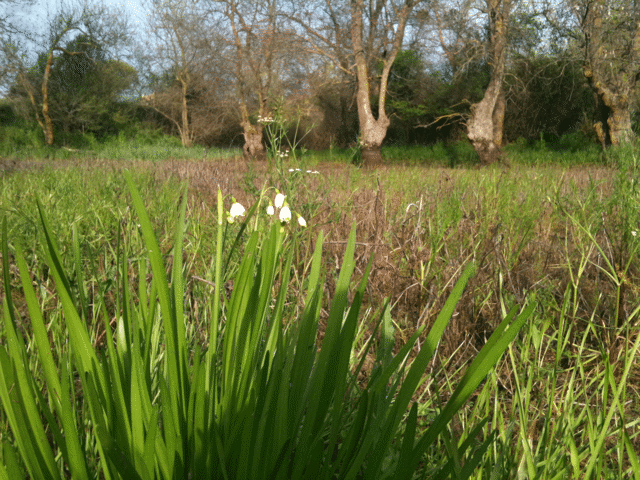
<point>259,402</point>
<point>552,234</point>
<point>25,141</point>
<point>140,144</point>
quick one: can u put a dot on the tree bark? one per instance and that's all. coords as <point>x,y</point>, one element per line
<point>29,89</point>
<point>484,126</point>
<point>185,131</point>
<point>253,148</point>
<point>373,130</point>
<point>613,116</point>
<point>498,119</point>
<point>611,66</point>
<point>48,123</point>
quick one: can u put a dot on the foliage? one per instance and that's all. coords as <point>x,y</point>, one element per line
<point>85,88</point>
<point>545,95</point>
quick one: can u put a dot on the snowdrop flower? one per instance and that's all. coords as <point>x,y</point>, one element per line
<point>285,214</point>
<point>279,201</point>
<point>301,221</point>
<point>270,210</point>
<point>236,211</point>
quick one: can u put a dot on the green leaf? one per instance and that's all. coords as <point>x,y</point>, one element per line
<point>475,374</point>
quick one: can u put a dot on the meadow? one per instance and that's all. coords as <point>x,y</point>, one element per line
<point>432,319</point>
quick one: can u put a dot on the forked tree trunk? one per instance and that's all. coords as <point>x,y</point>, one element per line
<point>373,130</point>
<point>253,148</point>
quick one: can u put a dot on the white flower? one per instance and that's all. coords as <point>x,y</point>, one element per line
<point>634,233</point>
<point>301,221</point>
<point>285,214</point>
<point>270,210</point>
<point>236,211</point>
<point>279,201</point>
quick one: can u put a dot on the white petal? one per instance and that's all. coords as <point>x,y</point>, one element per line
<point>302,222</point>
<point>279,201</point>
<point>285,214</point>
<point>237,210</point>
<point>270,210</point>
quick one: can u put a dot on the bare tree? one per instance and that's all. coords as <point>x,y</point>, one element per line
<point>485,122</point>
<point>260,54</point>
<point>180,44</point>
<point>9,24</point>
<point>362,39</point>
<point>392,20</point>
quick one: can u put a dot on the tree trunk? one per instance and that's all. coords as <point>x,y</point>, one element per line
<point>29,88</point>
<point>613,110</point>
<point>612,68</point>
<point>482,131</point>
<point>485,123</point>
<point>619,123</point>
<point>185,131</point>
<point>48,123</point>
<point>371,156</point>
<point>498,119</point>
<point>253,148</point>
<point>372,129</point>
<point>372,133</point>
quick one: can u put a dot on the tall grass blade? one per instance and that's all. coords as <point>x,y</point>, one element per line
<point>476,372</point>
<point>72,451</point>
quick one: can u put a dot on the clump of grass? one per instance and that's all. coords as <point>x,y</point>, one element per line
<point>262,401</point>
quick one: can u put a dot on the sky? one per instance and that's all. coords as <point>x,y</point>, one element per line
<point>35,16</point>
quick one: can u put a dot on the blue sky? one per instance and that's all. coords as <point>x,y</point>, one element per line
<point>35,16</point>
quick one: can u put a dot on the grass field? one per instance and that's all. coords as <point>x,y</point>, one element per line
<point>549,230</point>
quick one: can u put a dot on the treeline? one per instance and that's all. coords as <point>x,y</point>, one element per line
<point>337,73</point>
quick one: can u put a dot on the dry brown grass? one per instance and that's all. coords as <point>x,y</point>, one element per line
<point>420,232</point>
<point>521,243</point>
